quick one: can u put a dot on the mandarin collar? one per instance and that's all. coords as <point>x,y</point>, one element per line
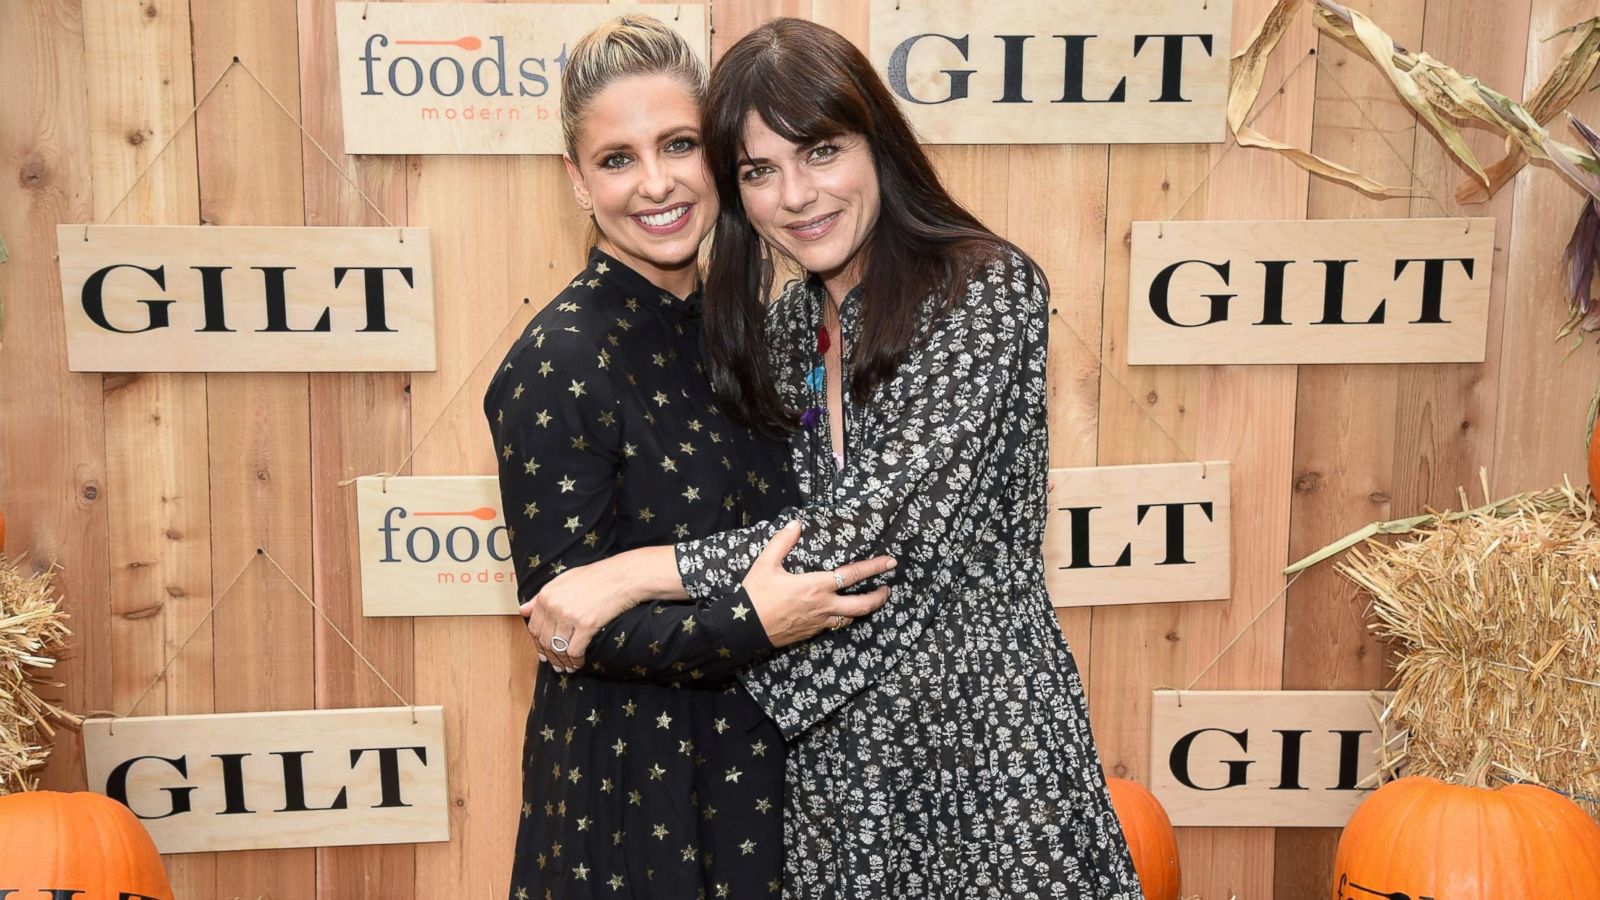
<point>625,278</point>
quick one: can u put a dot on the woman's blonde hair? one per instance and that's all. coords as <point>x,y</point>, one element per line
<point>623,47</point>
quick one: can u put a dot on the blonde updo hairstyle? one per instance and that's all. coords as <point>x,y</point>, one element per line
<point>621,48</point>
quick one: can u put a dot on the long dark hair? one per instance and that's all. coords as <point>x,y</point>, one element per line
<point>808,84</point>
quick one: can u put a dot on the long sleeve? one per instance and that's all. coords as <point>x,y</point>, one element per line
<point>555,420</point>
<point>677,641</point>
<point>915,491</point>
<point>554,417</point>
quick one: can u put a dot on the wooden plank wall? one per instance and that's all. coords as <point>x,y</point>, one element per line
<point>152,491</point>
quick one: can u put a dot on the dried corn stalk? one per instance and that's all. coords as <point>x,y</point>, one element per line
<point>1439,94</point>
<point>33,630</point>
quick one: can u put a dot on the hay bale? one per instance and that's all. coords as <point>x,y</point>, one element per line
<point>1494,615</point>
<point>33,630</point>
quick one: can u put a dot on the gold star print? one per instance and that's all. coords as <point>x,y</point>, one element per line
<point>689,853</point>
<point>759,748</point>
<point>660,359</point>
<point>663,721</point>
<point>667,299</point>
<point>608,418</point>
<point>620,746</point>
<point>543,419</point>
<point>555,850</point>
<point>531,467</point>
<point>630,450</point>
<point>650,417</point>
<point>656,772</point>
<point>542,860</point>
<point>668,464</point>
<point>549,733</point>
<point>763,805</point>
<point>568,306</point>
<point>557,569</point>
<point>556,771</point>
<point>573,524</point>
<point>774,886</point>
<point>660,399</point>
<point>686,447</point>
<point>660,832</point>
<point>629,708</point>
<point>686,747</point>
<point>581,872</point>
<point>716,437</point>
<point>584,823</point>
<point>605,359</point>
<point>506,452</point>
<point>748,847</point>
<point>727,502</point>
<point>727,465</point>
<point>575,775</point>
<point>522,893</point>
<point>527,810</point>
<point>750,476</point>
<point>579,442</point>
<point>616,838</point>
<point>708,814</point>
<point>732,775</point>
<point>634,797</point>
<point>722,889</point>
<point>601,267</point>
<point>688,627</point>
<point>549,809</point>
<point>624,324</point>
<point>607,786</point>
<point>593,282</point>
<point>740,611</point>
<point>591,539</point>
<point>632,304</point>
<point>721,725</point>
<point>615,882</point>
<point>691,493</point>
<point>577,387</point>
<point>499,417</point>
<point>612,339</point>
<point>645,515</point>
<point>545,368</point>
<point>680,531</point>
<point>567,484</point>
<point>516,393</point>
<point>530,510</point>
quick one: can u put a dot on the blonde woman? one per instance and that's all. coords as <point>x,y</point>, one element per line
<point>647,771</point>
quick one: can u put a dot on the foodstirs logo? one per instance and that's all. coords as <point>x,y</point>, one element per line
<point>471,76</point>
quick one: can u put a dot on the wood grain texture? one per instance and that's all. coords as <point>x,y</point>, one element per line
<point>241,459</point>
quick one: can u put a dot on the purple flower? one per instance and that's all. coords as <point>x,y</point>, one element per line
<point>811,417</point>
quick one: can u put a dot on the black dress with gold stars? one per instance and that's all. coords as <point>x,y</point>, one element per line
<point>651,773</point>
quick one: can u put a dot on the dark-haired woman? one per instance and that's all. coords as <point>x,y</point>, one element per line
<point>941,746</point>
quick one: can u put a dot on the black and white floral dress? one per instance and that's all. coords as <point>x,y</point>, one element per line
<point>940,748</point>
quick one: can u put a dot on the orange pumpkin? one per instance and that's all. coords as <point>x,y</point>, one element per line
<point>1151,841</point>
<point>1421,837</point>
<point>85,843</point>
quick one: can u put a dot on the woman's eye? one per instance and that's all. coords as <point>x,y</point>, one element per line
<point>681,145</point>
<point>754,173</point>
<point>614,161</point>
<point>823,151</point>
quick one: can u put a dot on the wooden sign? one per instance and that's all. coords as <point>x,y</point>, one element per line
<point>1295,292</point>
<point>1262,758</point>
<point>434,546</point>
<point>1138,534</point>
<point>469,77</point>
<point>246,299</point>
<point>1046,72</point>
<point>250,781</point>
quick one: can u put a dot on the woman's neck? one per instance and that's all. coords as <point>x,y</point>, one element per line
<point>678,280</point>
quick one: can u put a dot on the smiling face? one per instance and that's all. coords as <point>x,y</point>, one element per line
<point>816,203</point>
<point>639,169</point>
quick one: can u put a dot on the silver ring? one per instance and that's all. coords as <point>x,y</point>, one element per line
<point>838,581</point>
<point>559,644</point>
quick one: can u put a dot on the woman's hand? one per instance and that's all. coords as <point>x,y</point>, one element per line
<point>793,608</point>
<point>572,607</point>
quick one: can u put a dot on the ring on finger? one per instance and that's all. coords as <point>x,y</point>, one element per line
<point>559,644</point>
<point>838,581</point>
<point>839,622</point>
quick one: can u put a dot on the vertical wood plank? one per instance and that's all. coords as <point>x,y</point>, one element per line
<point>250,173</point>
<point>360,423</point>
<point>53,482</point>
<point>1543,393</point>
<point>1244,414</point>
<point>1344,417</point>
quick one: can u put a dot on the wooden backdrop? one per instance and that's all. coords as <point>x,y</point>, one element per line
<point>151,491</point>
